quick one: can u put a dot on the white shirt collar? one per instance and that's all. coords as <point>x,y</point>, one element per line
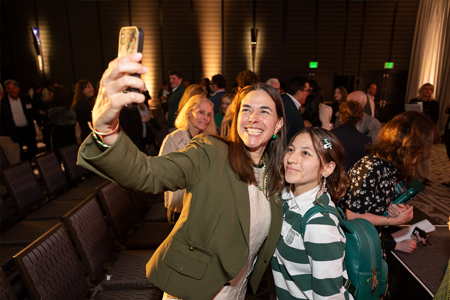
<point>301,201</point>
<point>217,92</point>
<point>175,88</point>
<point>11,99</point>
<point>297,104</point>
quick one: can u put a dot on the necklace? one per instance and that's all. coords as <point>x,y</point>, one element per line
<point>265,177</point>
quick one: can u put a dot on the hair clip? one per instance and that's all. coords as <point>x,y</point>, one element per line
<point>327,144</point>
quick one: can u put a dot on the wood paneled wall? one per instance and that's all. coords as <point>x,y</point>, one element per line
<point>79,38</point>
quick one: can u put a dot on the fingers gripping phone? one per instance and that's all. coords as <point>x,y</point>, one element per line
<point>131,40</point>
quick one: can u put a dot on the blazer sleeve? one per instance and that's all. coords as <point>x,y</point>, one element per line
<point>124,164</point>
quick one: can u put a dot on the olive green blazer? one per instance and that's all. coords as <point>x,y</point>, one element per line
<point>209,244</point>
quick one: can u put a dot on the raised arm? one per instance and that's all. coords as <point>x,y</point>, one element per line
<point>111,97</point>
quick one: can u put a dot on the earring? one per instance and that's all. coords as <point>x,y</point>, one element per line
<point>274,136</point>
<point>324,183</point>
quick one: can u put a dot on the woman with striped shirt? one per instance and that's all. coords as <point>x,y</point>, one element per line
<point>312,266</point>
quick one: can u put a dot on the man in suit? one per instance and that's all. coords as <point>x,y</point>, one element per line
<point>274,83</point>
<point>297,89</point>
<point>9,138</point>
<point>368,125</point>
<point>20,107</point>
<point>370,108</point>
<point>176,80</point>
<point>218,84</point>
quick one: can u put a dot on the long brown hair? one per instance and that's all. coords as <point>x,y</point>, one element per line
<point>79,95</point>
<point>238,154</point>
<point>409,136</point>
<point>337,182</point>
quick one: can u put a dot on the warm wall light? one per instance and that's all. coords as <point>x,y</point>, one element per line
<point>254,40</point>
<point>37,47</point>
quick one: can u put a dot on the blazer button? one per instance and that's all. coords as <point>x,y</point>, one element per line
<point>265,261</point>
<point>191,248</point>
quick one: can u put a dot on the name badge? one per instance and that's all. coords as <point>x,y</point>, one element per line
<point>28,106</point>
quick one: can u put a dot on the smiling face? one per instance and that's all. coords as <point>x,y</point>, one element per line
<point>302,164</point>
<point>89,90</point>
<point>200,117</point>
<point>12,91</point>
<point>225,104</point>
<point>257,122</point>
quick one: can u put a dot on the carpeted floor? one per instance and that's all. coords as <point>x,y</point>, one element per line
<point>434,202</point>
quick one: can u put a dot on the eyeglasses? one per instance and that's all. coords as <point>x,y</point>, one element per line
<point>308,91</point>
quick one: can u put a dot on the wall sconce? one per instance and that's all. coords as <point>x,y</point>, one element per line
<point>37,47</point>
<point>254,38</point>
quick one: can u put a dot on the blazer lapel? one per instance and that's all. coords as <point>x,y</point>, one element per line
<point>242,202</point>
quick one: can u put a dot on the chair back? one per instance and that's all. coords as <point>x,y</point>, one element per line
<point>23,186</point>
<point>50,268</point>
<point>3,159</point>
<point>118,208</point>
<point>69,155</point>
<point>90,235</point>
<point>5,215</point>
<point>6,291</point>
<point>51,173</point>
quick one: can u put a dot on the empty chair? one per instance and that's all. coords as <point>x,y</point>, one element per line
<point>76,173</point>
<point>6,291</point>
<point>6,253</point>
<point>95,245</point>
<point>55,180</point>
<point>26,232</point>
<point>22,186</point>
<point>50,268</point>
<point>26,194</point>
<point>122,216</point>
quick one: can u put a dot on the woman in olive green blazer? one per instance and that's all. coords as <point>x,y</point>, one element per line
<point>209,245</point>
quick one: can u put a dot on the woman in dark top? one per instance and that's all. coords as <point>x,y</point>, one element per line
<point>402,142</point>
<point>61,119</point>
<point>311,117</point>
<point>83,103</point>
<point>339,96</point>
<point>354,142</point>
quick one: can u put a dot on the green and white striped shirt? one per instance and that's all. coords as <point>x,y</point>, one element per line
<point>315,263</point>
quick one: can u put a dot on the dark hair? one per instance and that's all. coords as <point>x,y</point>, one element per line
<point>79,95</point>
<point>176,73</point>
<point>61,97</point>
<point>408,136</point>
<point>246,78</point>
<point>219,80</point>
<point>351,112</point>
<point>337,182</point>
<point>312,83</point>
<point>238,154</point>
<point>206,83</point>
<point>318,94</point>
<point>369,85</point>
<point>295,84</point>
<point>312,111</point>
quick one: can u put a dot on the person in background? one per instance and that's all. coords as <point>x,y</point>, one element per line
<point>340,95</point>
<point>20,107</point>
<point>311,116</point>
<point>48,88</point>
<point>83,102</point>
<point>244,78</point>
<point>192,90</point>
<point>311,265</point>
<point>205,83</point>
<point>61,119</point>
<point>226,102</point>
<point>370,108</point>
<point>196,117</point>
<point>297,89</point>
<point>274,83</point>
<point>325,111</point>
<point>9,136</point>
<point>35,94</point>
<point>163,95</point>
<point>354,142</point>
<point>430,109</point>
<point>405,140</point>
<point>176,80</point>
<point>368,125</point>
<point>231,221</point>
<point>218,84</point>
